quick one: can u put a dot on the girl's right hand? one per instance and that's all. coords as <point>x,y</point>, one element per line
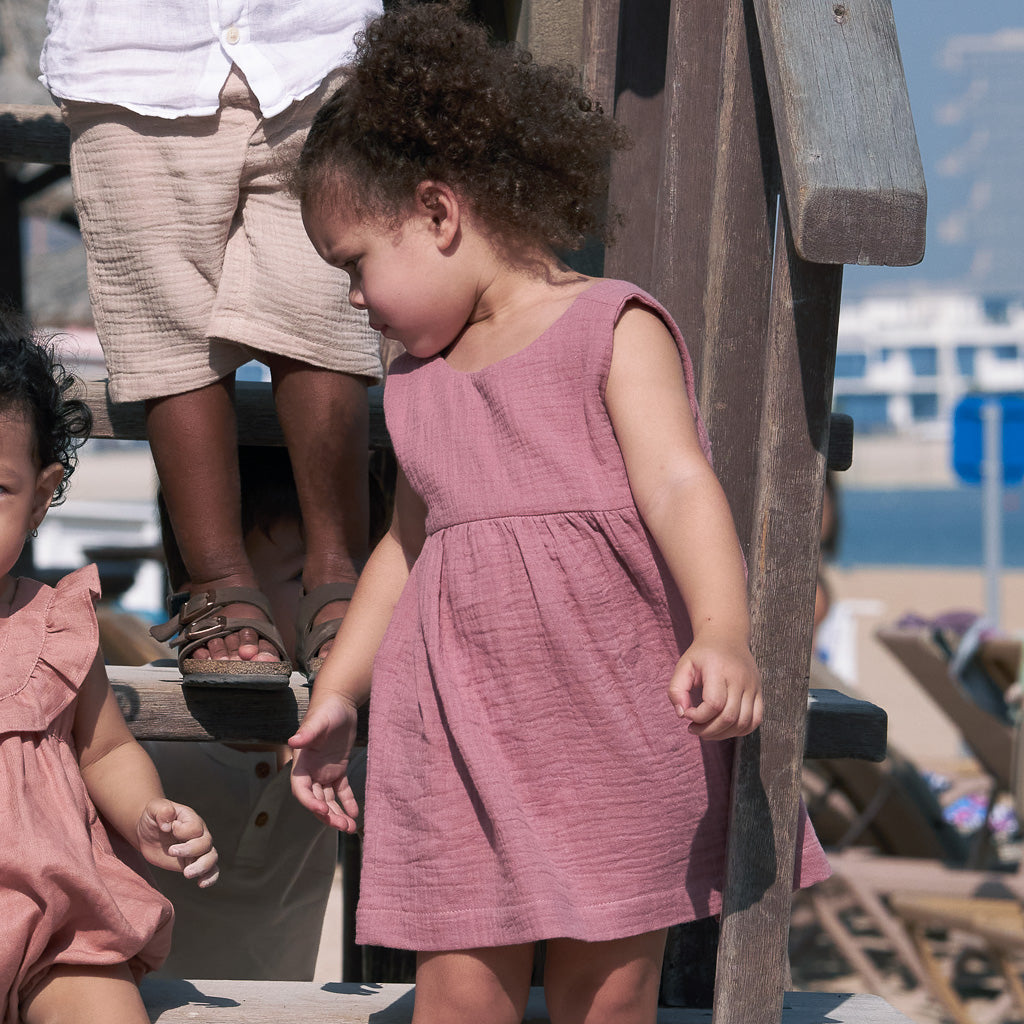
<point>320,769</point>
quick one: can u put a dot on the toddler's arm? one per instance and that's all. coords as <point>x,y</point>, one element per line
<point>324,740</point>
<point>716,684</point>
<point>123,784</point>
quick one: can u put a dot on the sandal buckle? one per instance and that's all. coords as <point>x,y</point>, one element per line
<point>200,630</point>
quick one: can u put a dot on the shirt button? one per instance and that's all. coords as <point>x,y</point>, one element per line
<point>232,35</point>
<point>262,769</point>
<point>261,819</point>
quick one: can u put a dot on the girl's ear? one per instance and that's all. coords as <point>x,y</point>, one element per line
<point>440,206</point>
<point>46,483</point>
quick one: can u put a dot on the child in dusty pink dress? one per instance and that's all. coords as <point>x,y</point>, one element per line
<point>80,798</point>
<point>557,621</point>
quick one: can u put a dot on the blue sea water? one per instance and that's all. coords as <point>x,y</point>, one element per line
<point>940,527</point>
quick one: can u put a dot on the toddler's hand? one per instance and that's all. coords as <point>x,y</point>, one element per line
<point>716,686</point>
<point>172,836</point>
<point>320,769</point>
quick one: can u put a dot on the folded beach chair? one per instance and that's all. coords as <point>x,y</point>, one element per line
<point>915,873</point>
<point>884,828</point>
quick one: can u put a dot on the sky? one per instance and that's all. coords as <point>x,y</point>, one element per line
<point>923,28</point>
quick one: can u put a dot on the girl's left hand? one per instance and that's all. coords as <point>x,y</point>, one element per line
<point>172,836</point>
<point>716,686</point>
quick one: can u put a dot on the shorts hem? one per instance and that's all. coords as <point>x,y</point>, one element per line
<point>360,360</point>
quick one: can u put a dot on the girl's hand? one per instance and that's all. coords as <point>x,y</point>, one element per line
<point>172,836</point>
<point>320,769</point>
<point>717,687</point>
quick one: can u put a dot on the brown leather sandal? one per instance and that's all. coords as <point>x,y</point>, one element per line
<point>197,622</point>
<point>309,638</point>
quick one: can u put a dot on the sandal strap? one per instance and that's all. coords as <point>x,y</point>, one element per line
<point>309,638</point>
<point>311,603</point>
<point>206,604</point>
<point>199,634</point>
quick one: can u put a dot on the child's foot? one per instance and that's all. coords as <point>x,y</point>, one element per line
<point>245,644</point>
<point>224,636</point>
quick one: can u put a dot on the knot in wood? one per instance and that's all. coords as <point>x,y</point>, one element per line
<point>840,12</point>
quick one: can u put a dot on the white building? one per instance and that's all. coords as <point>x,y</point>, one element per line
<point>903,362</point>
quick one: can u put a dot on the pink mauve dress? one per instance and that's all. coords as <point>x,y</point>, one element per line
<point>66,897</point>
<point>528,776</point>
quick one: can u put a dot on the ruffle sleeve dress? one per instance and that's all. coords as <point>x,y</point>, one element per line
<point>70,892</point>
<point>528,777</point>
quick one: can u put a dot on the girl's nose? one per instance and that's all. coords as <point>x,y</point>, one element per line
<point>355,297</point>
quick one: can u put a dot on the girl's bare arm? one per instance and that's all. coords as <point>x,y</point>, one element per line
<point>716,684</point>
<point>125,787</point>
<point>350,660</point>
<point>324,740</point>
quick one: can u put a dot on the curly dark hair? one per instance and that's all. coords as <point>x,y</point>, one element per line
<point>35,384</point>
<point>430,97</point>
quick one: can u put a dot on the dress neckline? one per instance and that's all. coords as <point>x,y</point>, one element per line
<point>595,283</point>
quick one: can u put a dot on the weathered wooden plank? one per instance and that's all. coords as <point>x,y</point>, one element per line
<point>852,171</point>
<point>639,100</point>
<point>716,225</point>
<point>274,1002</point>
<point>600,47</point>
<point>157,707</point>
<point>254,405</point>
<point>33,134</point>
<point>783,560</point>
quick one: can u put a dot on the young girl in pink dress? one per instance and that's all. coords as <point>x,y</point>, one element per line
<point>81,800</point>
<point>557,622</point>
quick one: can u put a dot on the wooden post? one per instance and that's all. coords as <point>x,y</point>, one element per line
<point>783,568</point>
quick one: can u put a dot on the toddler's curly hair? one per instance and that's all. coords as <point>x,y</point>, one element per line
<point>36,385</point>
<point>429,97</point>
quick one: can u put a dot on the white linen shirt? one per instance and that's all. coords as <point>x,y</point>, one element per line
<point>169,58</point>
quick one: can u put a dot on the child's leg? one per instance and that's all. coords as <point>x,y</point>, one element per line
<point>193,437</point>
<point>604,982</point>
<point>324,417</point>
<point>473,985</point>
<point>87,995</point>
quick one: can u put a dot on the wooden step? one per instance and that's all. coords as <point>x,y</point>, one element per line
<point>273,1002</point>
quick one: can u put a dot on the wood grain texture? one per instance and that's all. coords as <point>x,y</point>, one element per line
<point>170,1001</point>
<point>600,47</point>
<point>852,171</point>
<point>33,134</point>
<point>254,405</point>
<point>157,707</point>
<point>782,577</point>
<point>716,227</point>
<point>639,102</point>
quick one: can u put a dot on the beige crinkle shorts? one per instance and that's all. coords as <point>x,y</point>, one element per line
<point>197,258</point>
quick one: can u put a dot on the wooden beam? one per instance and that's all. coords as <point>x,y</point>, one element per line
<point>852,171</point>
<point>157,706</point>
<point>33,134</point>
